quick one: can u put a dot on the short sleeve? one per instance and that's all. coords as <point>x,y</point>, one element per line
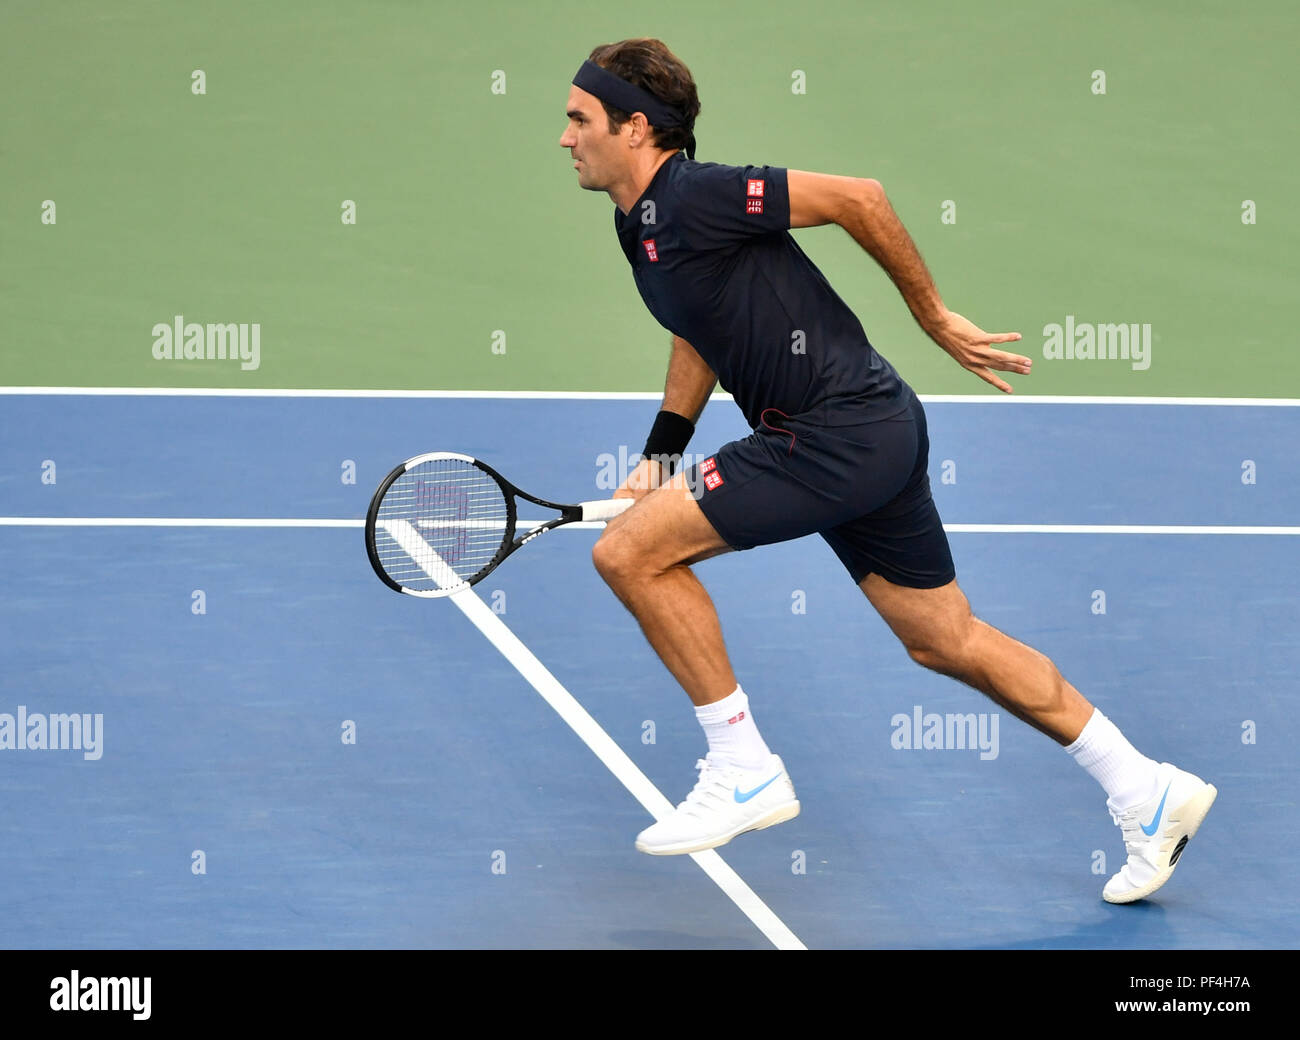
<point>722,205</point>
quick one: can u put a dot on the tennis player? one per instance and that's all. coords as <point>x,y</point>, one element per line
<point>839,448</point>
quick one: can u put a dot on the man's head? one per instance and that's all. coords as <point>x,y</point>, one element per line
<point>611,144</point>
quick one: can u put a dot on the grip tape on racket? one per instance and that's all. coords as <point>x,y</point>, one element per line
<point>606,508</point>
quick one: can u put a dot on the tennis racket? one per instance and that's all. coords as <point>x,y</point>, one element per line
<point>442,522</point>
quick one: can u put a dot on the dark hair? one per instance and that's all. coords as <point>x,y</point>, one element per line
<point>650,65</point>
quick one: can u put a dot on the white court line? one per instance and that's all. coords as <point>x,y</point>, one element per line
<point>204,391</point>
<point>595,525</point>
<point>168,521</point>
<point>189,521</point>
<point>591,734</point>
<point>1116,529</point>
<point>610,395</point>
<point>1203,402</point>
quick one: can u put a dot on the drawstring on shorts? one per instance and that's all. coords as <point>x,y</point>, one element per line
<point>762,418</point>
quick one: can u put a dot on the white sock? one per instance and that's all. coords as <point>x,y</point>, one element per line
<point>729,726</point>
<point>1128,776</point>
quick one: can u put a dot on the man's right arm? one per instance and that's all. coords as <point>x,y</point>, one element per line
<point>686,391</point>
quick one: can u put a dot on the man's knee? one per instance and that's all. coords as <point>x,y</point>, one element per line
<point>614,558</point>
<point>605,556</point>
<point>947,650</point>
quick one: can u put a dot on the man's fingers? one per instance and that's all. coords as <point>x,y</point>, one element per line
<point>978,357</point>
<point>1011,362</point>
<point>988,377</point>
<point>1004,387</point>
<point>1021,366</point>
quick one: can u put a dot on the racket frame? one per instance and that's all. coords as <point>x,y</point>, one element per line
<point>509,544</point>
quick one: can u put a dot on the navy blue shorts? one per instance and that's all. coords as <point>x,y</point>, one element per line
<point>863,487</point>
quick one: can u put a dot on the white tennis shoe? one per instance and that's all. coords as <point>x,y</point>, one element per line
<point>726,801</point>
<point>1156,833</point>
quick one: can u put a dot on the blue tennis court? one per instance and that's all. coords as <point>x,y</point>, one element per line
<point>233,666</point>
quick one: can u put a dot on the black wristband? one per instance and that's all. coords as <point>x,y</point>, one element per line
<point>668,437</point>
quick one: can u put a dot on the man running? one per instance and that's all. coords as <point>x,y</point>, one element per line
<point>839,449</point>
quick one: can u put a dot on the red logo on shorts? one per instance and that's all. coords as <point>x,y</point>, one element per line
<point>735,718</point>
<point>650,250</point>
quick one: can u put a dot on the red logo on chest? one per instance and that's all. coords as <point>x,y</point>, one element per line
<point>650,250</point>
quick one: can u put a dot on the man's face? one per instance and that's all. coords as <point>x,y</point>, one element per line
<point>600,156</point>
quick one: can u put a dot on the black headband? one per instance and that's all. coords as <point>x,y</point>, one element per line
<point>603,84</point>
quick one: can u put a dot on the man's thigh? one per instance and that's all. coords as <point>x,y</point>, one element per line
<point>666,528</point>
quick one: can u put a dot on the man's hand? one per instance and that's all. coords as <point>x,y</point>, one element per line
<point>971,347</point>
<point>647,476</point>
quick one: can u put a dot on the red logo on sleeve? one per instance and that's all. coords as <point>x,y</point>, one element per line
<point>755,189</point>
<point>650,250</point>
<point>753,205</point>
<point>754,195</point>
<point>713,480</point>
<point>709,465</point>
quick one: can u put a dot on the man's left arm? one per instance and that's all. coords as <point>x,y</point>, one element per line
<point>859,205</point>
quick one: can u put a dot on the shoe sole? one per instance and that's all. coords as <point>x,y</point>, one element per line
<point>780,814</point>
<point>1191,813</point>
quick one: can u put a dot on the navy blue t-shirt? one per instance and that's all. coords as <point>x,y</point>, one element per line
<point>714,260</point>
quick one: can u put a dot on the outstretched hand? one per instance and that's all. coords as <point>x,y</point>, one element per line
<point>972,348</point>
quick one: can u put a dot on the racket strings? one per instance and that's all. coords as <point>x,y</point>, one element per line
<point>439,524</point>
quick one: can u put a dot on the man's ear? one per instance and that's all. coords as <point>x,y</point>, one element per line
<point>640,128</point>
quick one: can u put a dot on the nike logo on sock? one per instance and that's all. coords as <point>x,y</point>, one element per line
<point>1148,831</point>
<point>744,796</point>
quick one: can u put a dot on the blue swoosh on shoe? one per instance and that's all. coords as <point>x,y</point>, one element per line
<point>744,796</point>
<point>1155,822</point>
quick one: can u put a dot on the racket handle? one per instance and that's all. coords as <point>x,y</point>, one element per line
<point>606,508</point>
